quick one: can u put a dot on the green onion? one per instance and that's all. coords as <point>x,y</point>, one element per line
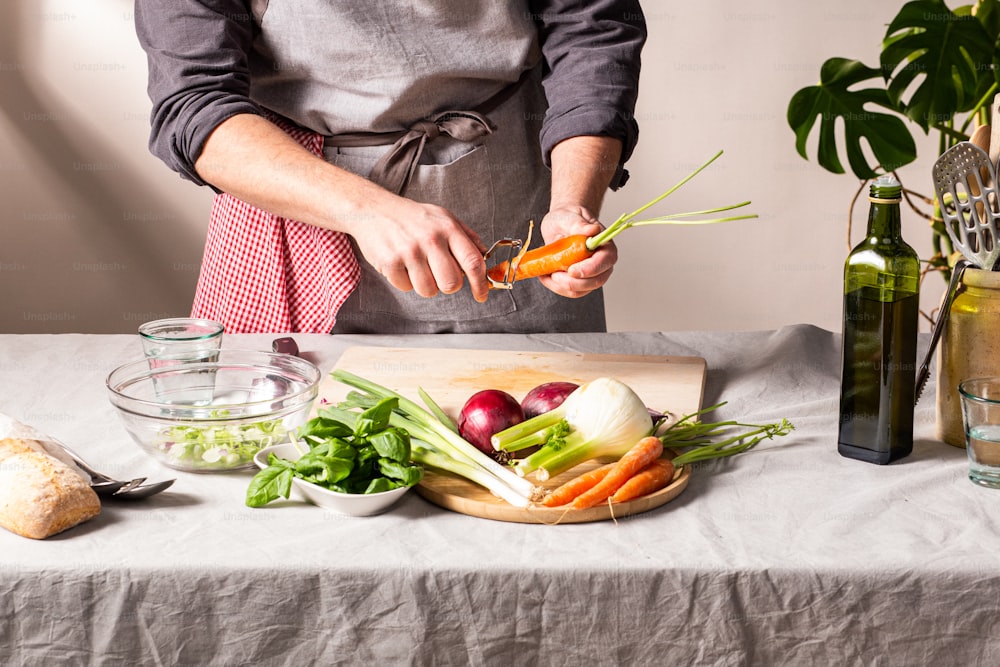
<point>443,448</point>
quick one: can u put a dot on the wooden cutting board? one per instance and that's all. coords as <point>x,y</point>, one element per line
<point>669,384</point>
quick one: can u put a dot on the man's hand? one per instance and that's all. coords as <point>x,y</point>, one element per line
<point>424,248</point>
<point>582,168</point>
<point>415,246</point>
<point>583,277</point>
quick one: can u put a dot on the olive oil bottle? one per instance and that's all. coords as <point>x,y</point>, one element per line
<point>881,309</point>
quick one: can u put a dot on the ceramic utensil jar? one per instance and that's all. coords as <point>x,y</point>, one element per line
<point>970,347</point>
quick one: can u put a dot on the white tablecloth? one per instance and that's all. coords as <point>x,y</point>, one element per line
<point>788,555</point>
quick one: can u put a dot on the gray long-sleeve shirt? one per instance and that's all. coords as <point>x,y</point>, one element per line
<point>351,71</point>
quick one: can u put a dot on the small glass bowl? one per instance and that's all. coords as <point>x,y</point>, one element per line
<point>214,415</point>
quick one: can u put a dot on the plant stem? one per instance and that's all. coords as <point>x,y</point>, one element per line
<point>527,429</point>
<point>734,444</point>
<point>436,410</point>
<point>628,219</point>
<point>673,220</point>
<point>980,108</point>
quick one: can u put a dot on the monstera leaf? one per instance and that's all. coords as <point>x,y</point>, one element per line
<point>986,12</point>
<point>943,48</point>
<point>887,135</point>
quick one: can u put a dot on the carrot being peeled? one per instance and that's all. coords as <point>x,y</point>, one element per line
<point>574,487</point>
<point>638,457</point>
<point>556,256</point>
<point>563,253</point>
<point>652,478</point>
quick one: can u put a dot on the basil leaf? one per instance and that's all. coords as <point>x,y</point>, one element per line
<point>392,443</point>
<point>323,469</point>
<point>375,418</point>
<point>269,484</point>
<point>407,474</point>
<point>275,460</point>
<point>380,484</point>
<point>334,448</point>
<point>323,428</point>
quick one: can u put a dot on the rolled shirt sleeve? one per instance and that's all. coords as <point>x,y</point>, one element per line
<point>592,52</point>
<point>198,55</point>
<point>198,73</point>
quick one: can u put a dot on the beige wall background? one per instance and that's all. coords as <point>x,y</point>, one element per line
<point>99,236</point>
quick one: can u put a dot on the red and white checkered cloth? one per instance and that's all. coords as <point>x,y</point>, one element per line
<point>262,273</point>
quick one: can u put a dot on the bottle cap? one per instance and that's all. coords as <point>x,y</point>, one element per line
<point>885,189</point>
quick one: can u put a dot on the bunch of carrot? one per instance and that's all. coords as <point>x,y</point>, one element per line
<point>639,472</point>
<point>642,471</point>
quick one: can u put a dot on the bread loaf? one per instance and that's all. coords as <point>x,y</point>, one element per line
<point>39,494</point>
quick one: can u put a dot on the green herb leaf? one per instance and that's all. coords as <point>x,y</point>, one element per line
<point>271,483</point>
<point>392,443</point>
<point>335,448</point>
<point>346,451</point>
<point>380,484</point>
<point>375,418</point>
<point>323,469</point>
<point>322,428</point>
<point>407,474</point>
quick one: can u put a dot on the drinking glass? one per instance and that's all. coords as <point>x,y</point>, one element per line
<point>981,414</point>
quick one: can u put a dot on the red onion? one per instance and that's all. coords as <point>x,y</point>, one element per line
<point>487,412</point>
<point>546,397</point>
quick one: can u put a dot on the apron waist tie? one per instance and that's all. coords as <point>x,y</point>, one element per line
<point>394,169</point>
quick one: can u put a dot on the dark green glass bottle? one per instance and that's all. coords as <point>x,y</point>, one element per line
<point>881,310</point>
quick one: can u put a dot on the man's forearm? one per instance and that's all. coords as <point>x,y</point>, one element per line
<point>582,169</point>
<point>254,160</point>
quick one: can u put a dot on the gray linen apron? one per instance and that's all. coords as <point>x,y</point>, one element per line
<point>398,63</point>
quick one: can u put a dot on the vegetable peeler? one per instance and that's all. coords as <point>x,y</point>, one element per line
<point>513,246</point>
<point>515,250</point>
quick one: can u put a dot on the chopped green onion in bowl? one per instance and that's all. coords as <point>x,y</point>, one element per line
<point>213,416</point>
<point>219,447</point>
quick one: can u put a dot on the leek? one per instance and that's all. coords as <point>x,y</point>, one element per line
<point>440,447</point>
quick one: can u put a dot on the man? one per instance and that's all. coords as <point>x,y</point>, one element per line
<point>366,154</point>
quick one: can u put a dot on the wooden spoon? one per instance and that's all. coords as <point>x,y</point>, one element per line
<point>981,137</point>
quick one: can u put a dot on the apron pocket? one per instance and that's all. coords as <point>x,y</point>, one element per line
<point>464,186</point>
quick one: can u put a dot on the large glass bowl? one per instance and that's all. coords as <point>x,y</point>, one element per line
<point>215,415</point>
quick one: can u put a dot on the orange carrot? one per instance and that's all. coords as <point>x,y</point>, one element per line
<point>641,455</point>
<point>560,255</point>
<point>574,487</point>
<point>652,478</point>
<point>556,256</point>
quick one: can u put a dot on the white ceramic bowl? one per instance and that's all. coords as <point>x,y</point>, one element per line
<point>351,504</point>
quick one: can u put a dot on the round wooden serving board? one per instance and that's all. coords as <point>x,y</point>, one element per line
<point>450,375</point>
<point>460,495</point>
